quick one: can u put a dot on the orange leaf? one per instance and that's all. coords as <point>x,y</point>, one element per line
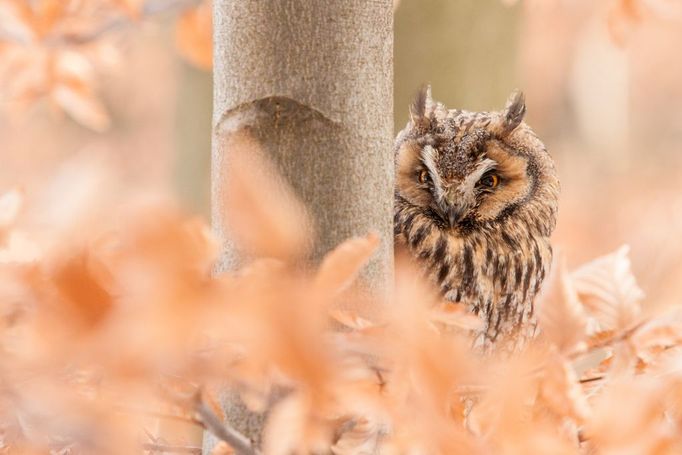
<point>73,66</point>
<point>340,266</point>
<point>82,105</point>
<point>629,418</point>
<point>87,301</point>
<point>130,7</point>
<point>561,392</point>
<point>16,20</point>
<point>363,437</point>
<point>561,316</point>
<point>47,13</point>
<point>17,248</point>
<point>351,320</point>
<point>609,291</point>
<point>456,315</point>
<point>222,448</point>
<point>194,36</point>
<point>10,204</point>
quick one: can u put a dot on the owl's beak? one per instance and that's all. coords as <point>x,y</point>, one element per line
<point>455,215</point>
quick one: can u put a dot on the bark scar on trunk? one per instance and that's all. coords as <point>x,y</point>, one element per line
<point>308,151</point>
<point>276,108</point>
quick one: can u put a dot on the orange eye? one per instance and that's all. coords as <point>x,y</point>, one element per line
<point>423,176</point>
<point>490,181</point>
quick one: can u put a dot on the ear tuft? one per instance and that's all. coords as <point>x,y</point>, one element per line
<point>419,107</point>
<point>514,112</point>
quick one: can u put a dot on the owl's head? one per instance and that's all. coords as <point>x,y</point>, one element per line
<point>471,169</point>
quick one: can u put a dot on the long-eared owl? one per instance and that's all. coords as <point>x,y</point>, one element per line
<point>475,204</point>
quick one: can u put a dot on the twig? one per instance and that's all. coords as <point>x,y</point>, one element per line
<point>619,337</point>
<point>592,379</point>
<point>163,448</point>
<point>616,338</point>
<point>237,441</point>
<point>150,8</point>
<point>240,443</point>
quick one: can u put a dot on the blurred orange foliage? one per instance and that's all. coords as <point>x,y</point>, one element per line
<point>194,34</point>
<point>54,49</point>
<point>112,320</point>
<point>109,324</point>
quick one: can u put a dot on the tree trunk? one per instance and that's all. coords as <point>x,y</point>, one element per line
<point>312,81</point>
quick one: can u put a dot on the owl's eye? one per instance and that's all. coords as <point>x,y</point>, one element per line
<point>489,181</point>
<point>424,176</point>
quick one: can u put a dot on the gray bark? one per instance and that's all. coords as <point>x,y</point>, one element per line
<point>312,81</point>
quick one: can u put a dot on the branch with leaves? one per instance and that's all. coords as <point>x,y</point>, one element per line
<point>55,49</point>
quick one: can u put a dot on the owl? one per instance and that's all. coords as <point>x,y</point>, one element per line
<point>475,204</point>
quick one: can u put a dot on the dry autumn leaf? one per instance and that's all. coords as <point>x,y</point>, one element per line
<point>222,448</point>
<point>660,334</point>
<point>561,316</point>
<point>15,21</point>
<point>363,438</point>
<point>608,290</point>
<point>111,319</point>
<point>10,204</point>
<point>456,316</point>
<point>665,8</point>
<point>351,320</point>
<point>85,299</point>
<point>133,8</point>
<point>83,105</point>
<point>341,265</point>
<point>561,392</point>
<point>194,35</point>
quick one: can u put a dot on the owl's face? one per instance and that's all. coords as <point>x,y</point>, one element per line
<point>466,169</point>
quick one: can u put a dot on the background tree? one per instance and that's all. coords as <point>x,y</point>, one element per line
<point>312,82</point>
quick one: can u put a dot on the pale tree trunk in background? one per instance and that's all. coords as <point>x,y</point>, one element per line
<point>312,80</point>
<point>191,169</point>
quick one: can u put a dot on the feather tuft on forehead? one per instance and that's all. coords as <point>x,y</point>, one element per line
<point>419,109</point>
<point>512,115</point>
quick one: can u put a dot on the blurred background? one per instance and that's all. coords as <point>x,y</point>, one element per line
<point>603,81</point>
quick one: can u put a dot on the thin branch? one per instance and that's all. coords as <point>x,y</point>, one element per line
<point>149,9</point>
<point>616,338</point>
<point>592,379</point>
<point>240,443</point>
<point>160,445</point>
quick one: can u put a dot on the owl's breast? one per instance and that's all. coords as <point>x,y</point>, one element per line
<point>495,272</point>
<point>498,278</point>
